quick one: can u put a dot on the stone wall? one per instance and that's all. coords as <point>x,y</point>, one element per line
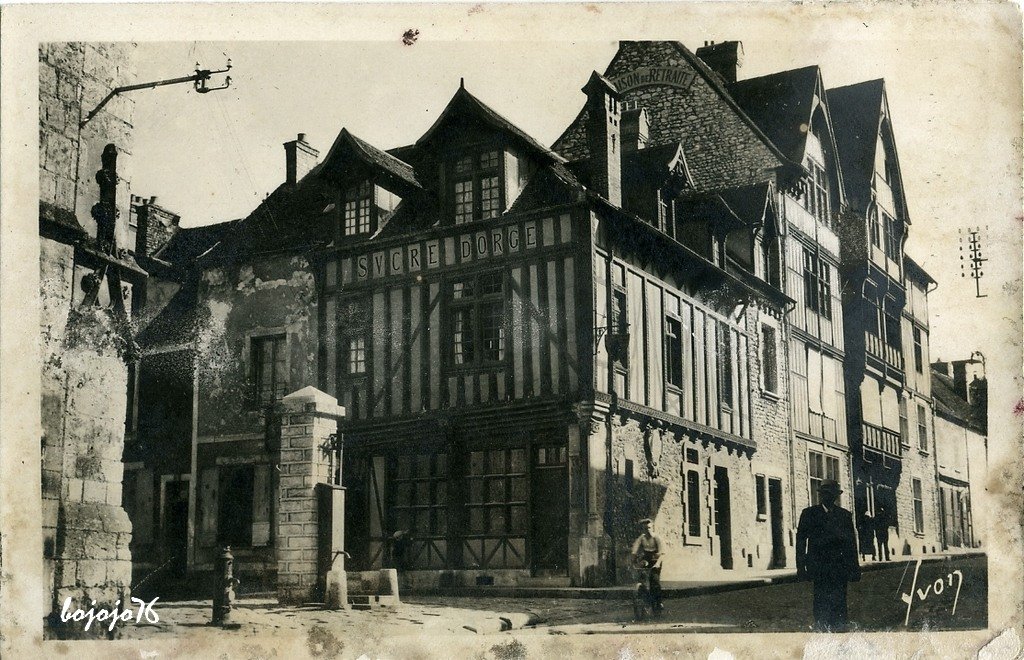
<point>84,374</point>
<point>721,149</point>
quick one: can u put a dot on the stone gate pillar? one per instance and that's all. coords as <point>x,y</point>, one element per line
<point>308,419</point>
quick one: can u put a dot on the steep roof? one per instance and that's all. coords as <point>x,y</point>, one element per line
<point>464,102</point>
<point>188,243</point>
<point>950,406</point>
<point>856,115</point>
<point>780,103</point>
<point>347,144</point>
<point>724,146</point>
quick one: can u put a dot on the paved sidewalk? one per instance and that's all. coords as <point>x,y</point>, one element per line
<point>265,616</point>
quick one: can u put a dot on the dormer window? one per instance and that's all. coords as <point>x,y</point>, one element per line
<point>357,209</point>
<point>476,192</point>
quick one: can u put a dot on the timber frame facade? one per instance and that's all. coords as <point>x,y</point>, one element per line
<point>535,347</point>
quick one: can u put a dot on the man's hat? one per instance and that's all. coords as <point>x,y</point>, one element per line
<point>830,485</point>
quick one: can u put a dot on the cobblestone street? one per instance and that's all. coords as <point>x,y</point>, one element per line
<point>875,604</point>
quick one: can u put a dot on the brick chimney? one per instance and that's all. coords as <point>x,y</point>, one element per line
<point>603,138</point>
<point>723,58</point>
<point>299,159</point>
<point>636,129</point>
<point>155,225</point>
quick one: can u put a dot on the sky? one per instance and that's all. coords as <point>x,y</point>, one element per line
<point>953,85</point>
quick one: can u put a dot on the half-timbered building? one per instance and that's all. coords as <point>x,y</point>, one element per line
<point>886,325</point>
<point>537,347</point>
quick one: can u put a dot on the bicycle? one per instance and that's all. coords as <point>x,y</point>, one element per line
<point>644,606</point>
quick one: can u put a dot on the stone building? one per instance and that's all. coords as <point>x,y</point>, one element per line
<point>961,446</point>
<point>88,287</point>
<point>536,347</point>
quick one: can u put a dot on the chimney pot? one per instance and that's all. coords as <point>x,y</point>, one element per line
<point>152,200</point>
<point>302,137</point>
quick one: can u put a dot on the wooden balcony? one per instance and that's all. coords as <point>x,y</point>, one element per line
<point>882,440</point>
<point>822,426</point>
<point>888,355</point>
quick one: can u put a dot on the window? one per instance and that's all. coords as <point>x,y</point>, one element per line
<point>893,236</point>
<point>673,351</point>
<point>817,284</point>
<point>815,197</point>
<point>819,468</point>
<point>892,324</point>
<point>234,505</point>
<point>918,507</point>
<point>692,509</point>
<point>769,359</point>
<point>476,193</point>
<point>761,494</point>
<point>875,228</point>
<point>904,424</point>
<point>270,369</point>
<point>357,209</point>
<point>922,428</point>
<point>356,355</point>
<point>496,498</point>
<point>918,351</point>
<point>420,504</point>
<point>725,368</point>
<point>618,327</point>
<point>478,320</point>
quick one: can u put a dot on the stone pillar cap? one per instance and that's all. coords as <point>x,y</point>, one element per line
<point>324,402</point>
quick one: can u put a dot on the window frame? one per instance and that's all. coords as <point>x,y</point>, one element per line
<point>691,494</point>
<point>917,494</point>
<point>476,175</point>
<point>761,496</point>
<point>764,355</point>
<point>355,195</point>
<point>674,351</point>
<point>918,338</point>
<point>817,284</point>
<point>279,340</point>
<point>922,428</point>
<point>829,470</point>
<point>726,369</point>
<point>475,306</point>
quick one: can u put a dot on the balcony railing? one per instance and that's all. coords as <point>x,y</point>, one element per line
<point>883,351</point>
<point>822,426</point>
<point>883,440</point>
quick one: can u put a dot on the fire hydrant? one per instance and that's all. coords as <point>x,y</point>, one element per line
<point>224,589</point>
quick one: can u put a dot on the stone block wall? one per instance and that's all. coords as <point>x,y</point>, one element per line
<point>84,374</point>
<point>308,420</point>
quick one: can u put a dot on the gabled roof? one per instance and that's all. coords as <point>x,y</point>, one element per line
<point>856,116</point>
<point>949,405</point>
<point>780,103</point>
<point>464,102</point>
<point>348,145</point>
<point>715,162</point>
<point>656,163</point>
<point>750,203</point>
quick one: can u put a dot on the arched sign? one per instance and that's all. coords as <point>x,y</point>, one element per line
<point>654,75</point>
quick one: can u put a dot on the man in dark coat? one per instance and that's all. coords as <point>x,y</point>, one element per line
<point>826,553</point>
